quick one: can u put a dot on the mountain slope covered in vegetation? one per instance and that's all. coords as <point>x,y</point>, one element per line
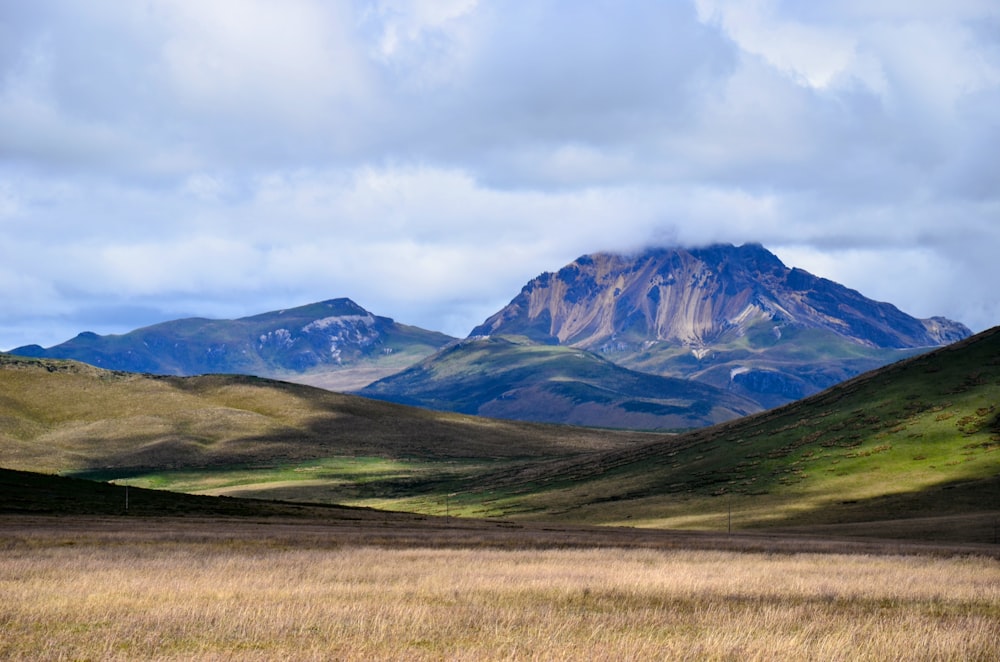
<point>512,378</point>
<point>335,344</point>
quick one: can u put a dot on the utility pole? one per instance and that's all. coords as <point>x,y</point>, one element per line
<point>447,503</point>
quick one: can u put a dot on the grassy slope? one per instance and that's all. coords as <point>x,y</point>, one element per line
<point>512,378</point>
<point>66,417</point>
<point>25,492</point>
<point>917,439</point>
<point>834,462</point>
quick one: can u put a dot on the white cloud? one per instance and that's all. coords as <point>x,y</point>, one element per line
<point>431,37</point>
<point>10,202</point>
<point>287,61</point>
<point>919,280</point>
<point>810,53</point>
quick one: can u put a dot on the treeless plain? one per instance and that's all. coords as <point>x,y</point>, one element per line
<point>117,588</point>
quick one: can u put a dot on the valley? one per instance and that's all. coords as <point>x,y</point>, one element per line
<point>916,441</point>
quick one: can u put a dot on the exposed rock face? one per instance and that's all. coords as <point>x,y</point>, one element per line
<point>698,298</point>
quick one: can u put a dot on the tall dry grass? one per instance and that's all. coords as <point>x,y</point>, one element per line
<point>206,600</point>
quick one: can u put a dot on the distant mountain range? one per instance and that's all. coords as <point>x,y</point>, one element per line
<point>335,344</point>
<point>663,339</point>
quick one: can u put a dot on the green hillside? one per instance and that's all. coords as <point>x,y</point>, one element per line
<point>71,418</point>
<point>513,378</point>
<point>918,439</point>
<point>24,493</point>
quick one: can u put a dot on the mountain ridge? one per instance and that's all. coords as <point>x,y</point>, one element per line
<point>695,296</point>
<point>329,341</point>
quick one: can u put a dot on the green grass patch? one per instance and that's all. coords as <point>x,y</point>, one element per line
<point>337,480</point>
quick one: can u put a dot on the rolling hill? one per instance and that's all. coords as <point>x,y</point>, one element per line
<point>67,417</point>
<point>513,378</point>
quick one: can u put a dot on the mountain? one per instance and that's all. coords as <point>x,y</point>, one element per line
<point>733,317</point>
<point>336,344</point>
<point>512,378</point>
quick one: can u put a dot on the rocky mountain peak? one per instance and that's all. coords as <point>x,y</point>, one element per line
<point>698,297</point>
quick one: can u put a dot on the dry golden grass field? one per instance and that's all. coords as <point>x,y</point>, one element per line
<point>127,588</point>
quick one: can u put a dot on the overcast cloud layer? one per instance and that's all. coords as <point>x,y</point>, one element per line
<point>172,158</point>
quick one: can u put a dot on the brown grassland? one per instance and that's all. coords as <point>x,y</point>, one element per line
<point>125,588</point>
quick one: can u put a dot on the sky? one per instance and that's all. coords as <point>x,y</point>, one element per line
<point>220,158</point>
